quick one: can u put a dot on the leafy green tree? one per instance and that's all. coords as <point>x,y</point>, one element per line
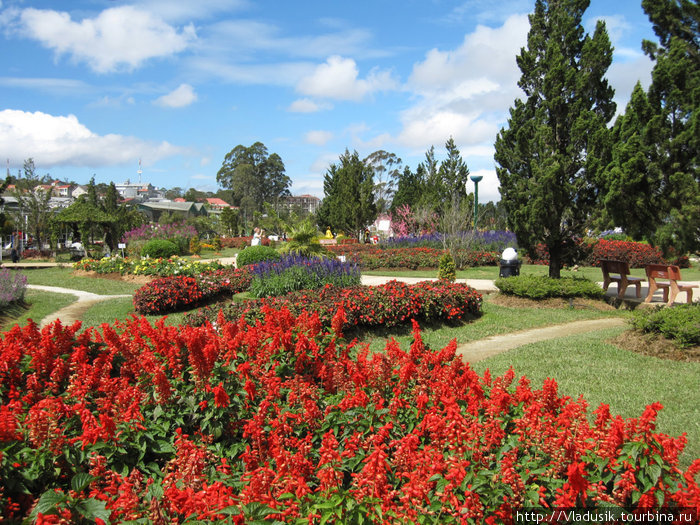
<point>230,221</point>
<point>409,188</point>
<point>33,204</point>
<point>348,203</point>
<point>174,193</point>
<point>194,195</point>
<point>386,168</point>
<point>254,176</point>
<point>549,158</point>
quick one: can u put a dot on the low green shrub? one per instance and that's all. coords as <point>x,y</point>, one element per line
<point>159,248</point>
<point>447,271</point>
<point>680,323</point>
<point>256,254</point>
<point>543,287</point>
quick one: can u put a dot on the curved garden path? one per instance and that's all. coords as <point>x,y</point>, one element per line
<point>483,348</point>
<point>74,311</point>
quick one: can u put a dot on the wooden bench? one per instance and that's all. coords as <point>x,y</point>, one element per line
<point>622,278</point>
<point>671,287</point>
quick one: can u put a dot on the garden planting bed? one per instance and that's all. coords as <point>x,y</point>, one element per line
<point>283,420</point>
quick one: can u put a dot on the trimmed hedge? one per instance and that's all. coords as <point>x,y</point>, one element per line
<point>256,254</point>
<point>159,249</point>
<point>681,323</point>
<point>543,287</point>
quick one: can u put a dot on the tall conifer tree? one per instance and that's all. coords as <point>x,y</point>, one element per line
<point>549,157</point>
<point>653,181</point>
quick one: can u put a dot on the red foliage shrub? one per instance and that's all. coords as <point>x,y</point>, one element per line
<point>589,253</point>
<point>278,421</point>
<point>235,242</point>
<point>636,254</point>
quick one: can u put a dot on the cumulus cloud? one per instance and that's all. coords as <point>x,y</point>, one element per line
<point>338,78</point>
<point>180,97</point>
<point>466,92</point>
<point>63,141</point>
<point>119,38</point>
<point>318,137</point>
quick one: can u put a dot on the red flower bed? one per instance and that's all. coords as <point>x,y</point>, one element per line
<point>278,421</point>
<point>372,258</point>
<point>170,294</point>
<point>387,305</point>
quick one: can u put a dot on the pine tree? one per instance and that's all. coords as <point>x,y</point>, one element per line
<point>549,158</point>
<point>674,96</point>
<point>348,204</point>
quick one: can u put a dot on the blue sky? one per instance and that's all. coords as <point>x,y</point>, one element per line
<point>90,87</point>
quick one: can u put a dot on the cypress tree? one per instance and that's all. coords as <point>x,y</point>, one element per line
<point>549,157</point>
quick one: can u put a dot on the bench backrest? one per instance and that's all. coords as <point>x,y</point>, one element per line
<point>620,267</point>
<point>663,271</point>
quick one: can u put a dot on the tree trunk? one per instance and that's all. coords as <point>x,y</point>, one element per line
<point>555,262</point>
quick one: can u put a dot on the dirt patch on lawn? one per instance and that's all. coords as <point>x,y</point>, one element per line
<point>513,301</point>
<point>138,279</point>
<point>655,345</point>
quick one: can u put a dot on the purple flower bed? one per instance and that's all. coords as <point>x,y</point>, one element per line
<point>294,272</point>
<point>490,240</point>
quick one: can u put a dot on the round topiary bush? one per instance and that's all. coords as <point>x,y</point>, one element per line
<point>256,254</point>
<point>159,248</point>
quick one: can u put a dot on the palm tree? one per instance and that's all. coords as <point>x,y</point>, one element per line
<point>303,241</point>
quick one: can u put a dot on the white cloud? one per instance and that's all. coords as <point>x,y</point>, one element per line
<point>488,187</point>
<point>318,137</point>
<point>63,141</point>
<point>323,162</point>
<point>180,97</point>
<point>119,38</point>
<point>338,78</point>
<point>306,105</point>
<point>466,92</point>
<point>52,85</point>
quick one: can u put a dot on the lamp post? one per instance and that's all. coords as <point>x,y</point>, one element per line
<point>475,179</point>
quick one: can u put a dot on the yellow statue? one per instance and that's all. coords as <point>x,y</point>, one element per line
<point>329,235</point>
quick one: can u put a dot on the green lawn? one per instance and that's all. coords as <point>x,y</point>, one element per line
<point>120,309</point>
<point>37,306</point>
<point>491,272</point>
<point>64,277</point>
